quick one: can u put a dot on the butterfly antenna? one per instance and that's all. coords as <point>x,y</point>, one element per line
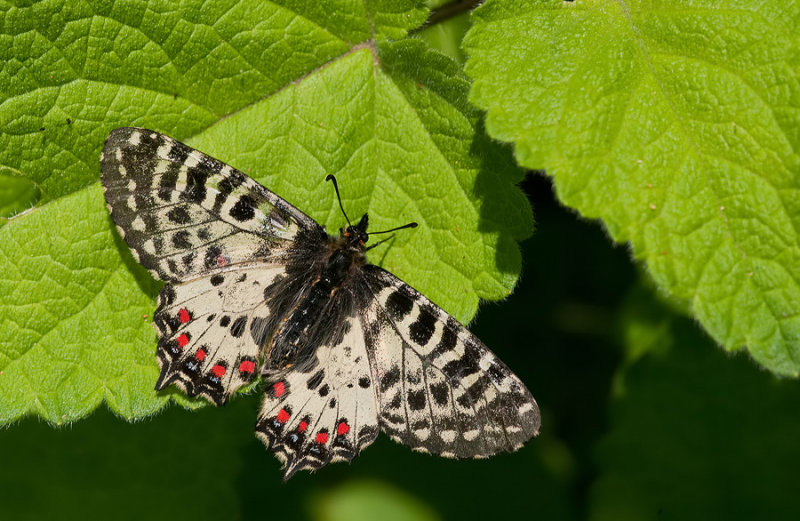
<point>409,225</point>
<point>336,187</point>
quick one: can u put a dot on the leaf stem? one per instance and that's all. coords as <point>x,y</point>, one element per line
<point>447,12</point>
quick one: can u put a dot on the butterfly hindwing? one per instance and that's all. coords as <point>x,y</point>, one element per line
<point>185,214</point>
<point>440,389</point>
<point>325,413</point>
<point>211,330</point>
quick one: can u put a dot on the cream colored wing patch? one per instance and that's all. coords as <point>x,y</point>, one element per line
<point>212,330</point>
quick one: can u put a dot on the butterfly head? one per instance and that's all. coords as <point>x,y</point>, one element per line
<point>357,235</point>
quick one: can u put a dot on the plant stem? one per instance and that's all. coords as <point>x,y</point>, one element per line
<point>448,11</point>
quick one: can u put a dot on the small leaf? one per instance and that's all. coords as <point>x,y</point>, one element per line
<point>676,123</point>
<point>17,194</point>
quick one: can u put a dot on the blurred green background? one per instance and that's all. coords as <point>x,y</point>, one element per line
<point>643,418</point>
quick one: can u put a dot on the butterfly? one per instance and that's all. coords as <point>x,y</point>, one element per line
<point>256,288</point>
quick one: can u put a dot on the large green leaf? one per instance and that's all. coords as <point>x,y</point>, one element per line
<point>286,91</point>
<point>676,122</point>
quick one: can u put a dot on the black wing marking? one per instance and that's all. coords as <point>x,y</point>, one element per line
<point>440,389</point>
<point>185,214</point>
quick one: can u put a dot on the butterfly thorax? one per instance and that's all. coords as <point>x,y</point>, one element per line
<point>337,270</point>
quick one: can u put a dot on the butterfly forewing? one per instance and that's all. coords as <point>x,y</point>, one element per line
<point>440,389</point>
<point>185,214</point>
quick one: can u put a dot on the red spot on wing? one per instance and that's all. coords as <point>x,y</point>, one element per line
<point>218,370</point>
<point>247,366</point>
<point>184,316</point>
<point>183,340</point>
<point>322,438</point>
<point>279,389</point>
<point>223,261</point>
<point>342,429</point>
<point>302,427</point>
<point>200,354</point>
<point>283,416</point>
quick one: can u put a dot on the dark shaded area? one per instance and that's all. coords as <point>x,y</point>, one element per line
<point>557,330</point>
<point>173,465</point>
<point>695,433</point>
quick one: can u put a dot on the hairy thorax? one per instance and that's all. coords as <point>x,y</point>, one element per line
<point>328,295</point>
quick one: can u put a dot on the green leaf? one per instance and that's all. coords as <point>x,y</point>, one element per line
<point>178,69</point>
<point>287,93</point>
<point>74,327</point>
<point>437,4</point>
<point>711,439</point>
<point>677,124</point>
